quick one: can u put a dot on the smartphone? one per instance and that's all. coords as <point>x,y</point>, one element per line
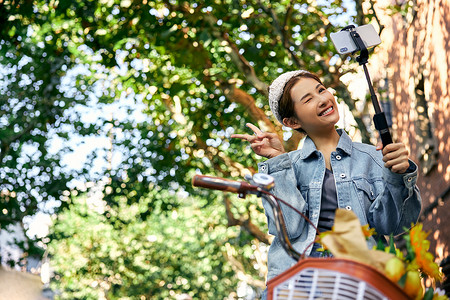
<point>344,44</point>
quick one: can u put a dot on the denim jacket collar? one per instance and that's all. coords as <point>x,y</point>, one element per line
<point>344,144</point>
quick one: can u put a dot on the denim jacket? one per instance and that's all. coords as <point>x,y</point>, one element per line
<point>379,197</point>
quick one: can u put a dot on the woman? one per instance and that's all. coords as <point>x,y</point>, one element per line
<point>329,171</point>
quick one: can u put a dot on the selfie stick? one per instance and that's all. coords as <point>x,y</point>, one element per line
<point>379,118</point>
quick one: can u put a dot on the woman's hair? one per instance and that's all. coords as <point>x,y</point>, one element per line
<point>286,104</point>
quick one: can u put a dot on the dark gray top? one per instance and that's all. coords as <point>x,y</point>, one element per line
<point>328,203</point>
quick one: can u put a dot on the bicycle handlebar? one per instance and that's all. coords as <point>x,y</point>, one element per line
<point>217,183</point>
<point>242,188</point>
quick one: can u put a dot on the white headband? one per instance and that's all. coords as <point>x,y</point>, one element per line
<point>276,90</point>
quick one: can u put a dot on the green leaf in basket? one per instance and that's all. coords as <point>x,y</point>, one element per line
<point>410,253</point>
<point>380,245</point>
<point>429,294</point>
<point>402,280</point>
<point>391,244</point>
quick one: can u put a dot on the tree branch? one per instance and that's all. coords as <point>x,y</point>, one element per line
<point>283,32</point>
<point>239,60</point>
<point>245,223</point>
<point>381,26</point>
<point>248,102</point>
<point>360,19</point>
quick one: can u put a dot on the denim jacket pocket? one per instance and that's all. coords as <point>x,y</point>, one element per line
<point>304,190</point>
<point>366,195</point>
<point>365,190</point>
<point>289,215</point>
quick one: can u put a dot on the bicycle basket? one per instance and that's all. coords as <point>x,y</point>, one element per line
<point>332,278</point>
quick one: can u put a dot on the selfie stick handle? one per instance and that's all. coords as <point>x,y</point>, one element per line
<point>379,118</point>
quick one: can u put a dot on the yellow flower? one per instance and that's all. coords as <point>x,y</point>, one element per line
<point>413,265</point>
<point>368,232</point>
<point>424,259</point>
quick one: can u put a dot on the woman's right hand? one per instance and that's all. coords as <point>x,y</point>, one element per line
<point>263,143</point>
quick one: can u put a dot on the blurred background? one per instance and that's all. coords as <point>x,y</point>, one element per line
<point>108,108</point>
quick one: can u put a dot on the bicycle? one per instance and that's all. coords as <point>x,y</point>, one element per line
<point>311,278</point>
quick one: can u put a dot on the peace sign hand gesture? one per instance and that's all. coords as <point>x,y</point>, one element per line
<point>263,143</point>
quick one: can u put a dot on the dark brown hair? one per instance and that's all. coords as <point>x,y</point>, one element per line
<point>286,105</point>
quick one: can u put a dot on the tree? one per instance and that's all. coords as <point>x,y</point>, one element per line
<point>201,70</point>
<point>110,252</point>
<point>33,62</point>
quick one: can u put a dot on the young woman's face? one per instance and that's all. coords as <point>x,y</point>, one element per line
<point>314,106</point>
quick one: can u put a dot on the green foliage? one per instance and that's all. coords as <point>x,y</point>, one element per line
<point>102,251</point>
<point>199,72</point>
<point>429,294</point>
<point>31,105</point>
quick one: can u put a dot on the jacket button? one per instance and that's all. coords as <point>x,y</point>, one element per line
<point>338,157</point>
<point>342,175</point>
<point>348,207</point>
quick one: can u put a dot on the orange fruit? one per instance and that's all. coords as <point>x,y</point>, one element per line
<point>413,285</point>
<point>394,269</point>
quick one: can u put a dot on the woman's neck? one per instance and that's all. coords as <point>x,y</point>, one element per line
<point>326,141</point>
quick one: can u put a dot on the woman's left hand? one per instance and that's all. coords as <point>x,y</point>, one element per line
<point>395,157</point>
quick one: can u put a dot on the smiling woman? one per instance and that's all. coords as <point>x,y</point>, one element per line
<point>286,104</point>
<point>329,171</point>
<point>313,106</point>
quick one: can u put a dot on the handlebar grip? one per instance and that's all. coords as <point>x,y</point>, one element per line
<point>217,183</point>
